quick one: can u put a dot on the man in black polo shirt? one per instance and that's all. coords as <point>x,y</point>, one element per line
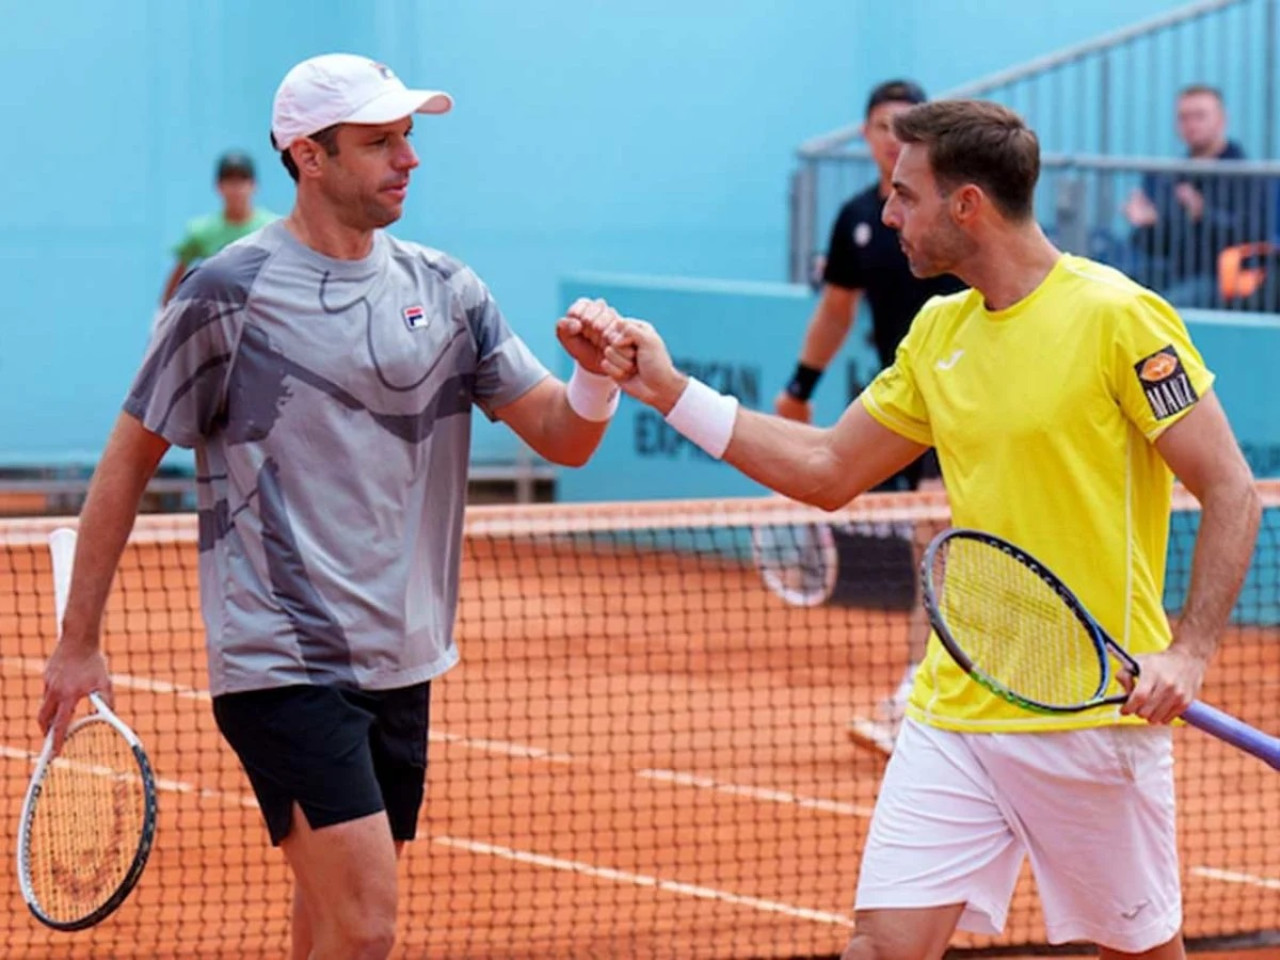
<point>865,259</point>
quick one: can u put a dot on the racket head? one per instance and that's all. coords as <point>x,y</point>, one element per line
<point>797,562</point>
<point>87,823</point>
<point>1012,625</point>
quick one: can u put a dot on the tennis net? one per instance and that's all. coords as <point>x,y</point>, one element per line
<point>644,749</point>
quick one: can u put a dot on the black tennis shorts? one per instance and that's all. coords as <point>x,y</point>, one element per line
<point>341,754</point>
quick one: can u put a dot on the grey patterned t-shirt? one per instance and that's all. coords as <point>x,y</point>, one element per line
<point>329,405</point>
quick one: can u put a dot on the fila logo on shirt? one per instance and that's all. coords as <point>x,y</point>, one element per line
<point>415,318</point>
<point>1165,382</point>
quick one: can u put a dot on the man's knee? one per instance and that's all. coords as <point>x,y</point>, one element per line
<point>911,934</point>
<point>365,922</point>
<point>869,947</point>
<point>1172,949</point>
<point>859,948</point>
<point>347,873</point>
<point>368,933</point>
<point>369,939</point>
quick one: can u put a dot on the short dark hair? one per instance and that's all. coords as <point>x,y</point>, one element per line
<point>1191,89</point>
<point>895,91</point>
<point>234,165</point>
<point>327,138</point>
<point>978,142</point>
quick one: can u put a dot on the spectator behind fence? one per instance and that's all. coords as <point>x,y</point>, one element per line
<point>1183,221</point>
<point>236,181</point>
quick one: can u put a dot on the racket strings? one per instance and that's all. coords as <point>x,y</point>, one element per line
<point>86,824</point>
<point>1014,626</point>
<point>797,561</point>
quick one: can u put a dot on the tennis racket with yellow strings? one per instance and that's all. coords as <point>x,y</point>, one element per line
<point>1018,630</point>
<point>89,816</point>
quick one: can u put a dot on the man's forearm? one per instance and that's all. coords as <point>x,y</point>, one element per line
<point>824,467</point>
<point>567,438</point>
<point>105,522</point>
<point>1224,548</point>
<point>788,457</point>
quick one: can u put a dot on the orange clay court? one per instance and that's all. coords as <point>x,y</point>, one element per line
<point>641,754</point>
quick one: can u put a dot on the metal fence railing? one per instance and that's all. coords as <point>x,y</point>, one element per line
<point>1227,257</point>
<point>1210,236</point>
<point>1110,97</point>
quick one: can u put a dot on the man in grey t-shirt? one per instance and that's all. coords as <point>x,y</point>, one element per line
<point>324,372</point>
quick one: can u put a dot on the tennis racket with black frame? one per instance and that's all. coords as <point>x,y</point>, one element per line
<point>89,816</point>
<point>1018,630</point>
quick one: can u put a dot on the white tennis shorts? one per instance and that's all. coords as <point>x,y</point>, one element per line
<point>1093,808</point>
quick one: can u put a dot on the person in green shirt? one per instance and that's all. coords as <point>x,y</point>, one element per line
<point>205,236</point>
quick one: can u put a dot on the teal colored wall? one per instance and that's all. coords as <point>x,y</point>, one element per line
<point>710,329</point>
<point>714,331</point>
<point>652,136</point>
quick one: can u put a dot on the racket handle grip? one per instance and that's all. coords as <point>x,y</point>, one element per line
<point>62,548</point>
<point>1235,732</point>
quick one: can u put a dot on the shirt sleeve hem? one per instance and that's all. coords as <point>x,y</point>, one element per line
<point>489,404</point>
<point>137,409</point>
<point>1161,426</point>
<point>900,427</point>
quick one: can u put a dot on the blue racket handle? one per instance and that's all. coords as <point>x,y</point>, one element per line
<point>1235,732</point>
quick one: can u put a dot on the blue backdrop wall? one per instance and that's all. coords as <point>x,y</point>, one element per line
<point>653,136</point>
<point>710,329</point>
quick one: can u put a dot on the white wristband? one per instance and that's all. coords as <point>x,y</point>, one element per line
<point>705,417</point>
<point>592,396</point>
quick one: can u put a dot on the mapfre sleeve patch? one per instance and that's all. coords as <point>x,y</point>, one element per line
<point>1165,382</point>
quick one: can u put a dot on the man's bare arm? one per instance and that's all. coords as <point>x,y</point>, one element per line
<point>76,666</point>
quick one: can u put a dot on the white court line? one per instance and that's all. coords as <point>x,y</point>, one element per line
<point>123,680</point>
<point>506,853</point>
<point>1233,876</point>
<point>522,751</point>
<point>519,751</point>
<point>619,876</point>
<point>502,747</point>
<point>13,753</point>
<point>127,681</point>
<point>641,880</point>
<point>756,793</point>
<point>163,785</point>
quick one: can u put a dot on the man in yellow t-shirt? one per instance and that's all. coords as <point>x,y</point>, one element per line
<point>1062,398</point>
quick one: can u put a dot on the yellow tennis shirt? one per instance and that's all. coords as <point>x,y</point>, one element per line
<point>1044,417</point>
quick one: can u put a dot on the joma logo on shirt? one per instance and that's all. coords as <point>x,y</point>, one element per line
<point>1165,382</point>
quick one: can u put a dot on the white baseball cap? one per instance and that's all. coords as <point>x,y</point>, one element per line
<point>344,88</point>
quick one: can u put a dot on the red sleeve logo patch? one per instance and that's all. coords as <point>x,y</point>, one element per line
<point>1165,382</point>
